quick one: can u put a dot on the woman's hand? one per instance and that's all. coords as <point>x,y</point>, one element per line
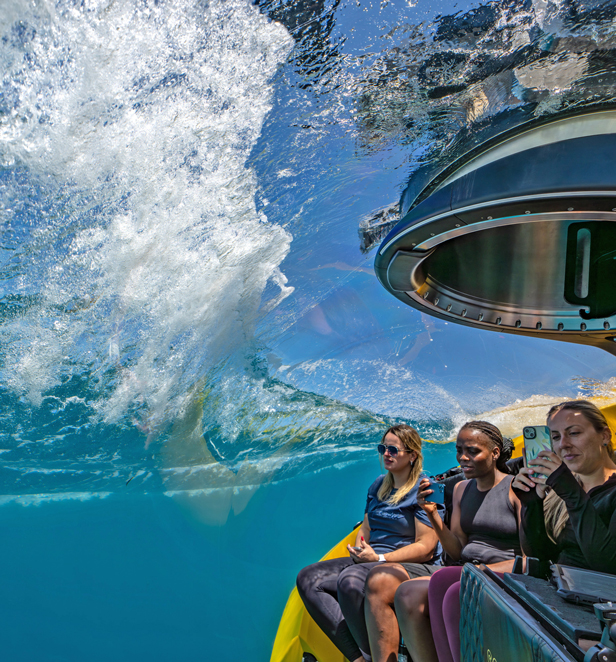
<point>364,553</point>
<point>526,480</point>
<point>423,492</point>
<point>545,464</point>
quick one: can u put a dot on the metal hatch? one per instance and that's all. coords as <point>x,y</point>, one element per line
<point>522,239</point>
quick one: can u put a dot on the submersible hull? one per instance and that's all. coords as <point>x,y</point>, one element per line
<point>520,238</point>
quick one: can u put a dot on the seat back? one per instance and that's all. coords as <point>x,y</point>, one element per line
<point>496,628</point>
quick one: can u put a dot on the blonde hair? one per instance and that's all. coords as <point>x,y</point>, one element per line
<point>412,442</point>
<point>555,511</point>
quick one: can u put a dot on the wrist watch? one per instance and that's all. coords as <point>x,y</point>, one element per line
<point>382,558</point>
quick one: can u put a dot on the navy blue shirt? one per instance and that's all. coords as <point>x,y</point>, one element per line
<point>393,526</point>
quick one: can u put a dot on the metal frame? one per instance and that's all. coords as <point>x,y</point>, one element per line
<point>410,262</point>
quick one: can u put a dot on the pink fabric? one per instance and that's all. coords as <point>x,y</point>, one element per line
<point>444,606</point>
<point>451,615</point>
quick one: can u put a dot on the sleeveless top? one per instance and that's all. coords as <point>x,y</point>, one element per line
<point>489,522</point>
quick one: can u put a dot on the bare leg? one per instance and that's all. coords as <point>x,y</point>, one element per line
<point>411,605</point>
<point>381,620</point>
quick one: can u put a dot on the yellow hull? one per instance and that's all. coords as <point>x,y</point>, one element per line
<point>298,633</point>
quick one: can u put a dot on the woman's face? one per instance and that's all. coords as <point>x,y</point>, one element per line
<point>402,460</point>
<point>475,453</point>
<point>576,442</point>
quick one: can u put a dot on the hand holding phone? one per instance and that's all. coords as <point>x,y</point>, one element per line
<point>438,492</point>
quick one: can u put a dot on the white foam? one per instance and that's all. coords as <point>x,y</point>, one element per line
<point>142,117</point>
<point>41,499</point>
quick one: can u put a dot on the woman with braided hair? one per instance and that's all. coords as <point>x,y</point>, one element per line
<point>484,529</point>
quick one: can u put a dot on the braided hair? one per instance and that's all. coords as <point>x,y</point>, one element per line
<point>496,439</point>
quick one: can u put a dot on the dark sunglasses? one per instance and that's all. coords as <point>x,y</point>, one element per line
<point>393,450</point>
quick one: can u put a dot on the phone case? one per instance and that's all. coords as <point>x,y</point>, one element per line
<point>438,495</point>
<point>536,439</point>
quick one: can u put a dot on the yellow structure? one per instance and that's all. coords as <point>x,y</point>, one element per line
<point>298,633</point>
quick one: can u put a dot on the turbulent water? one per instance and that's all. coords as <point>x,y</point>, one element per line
<point>181,188</point>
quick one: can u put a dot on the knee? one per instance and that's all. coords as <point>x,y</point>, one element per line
<point>451,601</point>
<point>410,601</point>
<point>351,581</point>
<point>383,581</point>
<point>305,580</point>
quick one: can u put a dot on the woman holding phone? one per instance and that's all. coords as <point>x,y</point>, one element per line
<point>568,494</point>
<point>394,529</point>
<point>484,528</point>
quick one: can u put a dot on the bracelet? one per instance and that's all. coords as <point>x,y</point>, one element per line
<point>382,558</point>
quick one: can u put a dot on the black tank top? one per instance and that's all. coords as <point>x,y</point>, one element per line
<point>489,522</point>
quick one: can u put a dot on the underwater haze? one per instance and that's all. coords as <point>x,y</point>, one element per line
<point>196,358</point>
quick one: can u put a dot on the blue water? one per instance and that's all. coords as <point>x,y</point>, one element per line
<point>145,578</point>
<point>196,359</point>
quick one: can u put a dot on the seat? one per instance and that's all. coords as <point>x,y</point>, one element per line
<point>496,628</point>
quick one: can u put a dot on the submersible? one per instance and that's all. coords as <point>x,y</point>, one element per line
<point>517,236</point>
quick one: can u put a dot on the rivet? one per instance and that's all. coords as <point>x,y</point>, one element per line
<point>480,318</point>
<point>413,244</point>
<point>498,320</point>
<point>606,325</point>
<point>489,218</point>
<point>458,225</point>
<point>518,324</point>
<point>464,313</point>
<point>527,212</point>
<point>569,208</point>
<point>436,301</point>
<point>426,295</point>
<point>448,307</point>
<point>583,326</point>
<point>614,209</point>
<point>538,325</point>
<point>561,326</point>
<point>432,235</point>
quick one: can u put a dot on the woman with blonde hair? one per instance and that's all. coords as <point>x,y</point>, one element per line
<point>394,529</point>
<point>568,494</point>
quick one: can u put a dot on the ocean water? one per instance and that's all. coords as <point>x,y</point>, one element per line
<point>196,359</point>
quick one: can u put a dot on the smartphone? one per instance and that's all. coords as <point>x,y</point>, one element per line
<point>536,439</point>
<point>438,492</point>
